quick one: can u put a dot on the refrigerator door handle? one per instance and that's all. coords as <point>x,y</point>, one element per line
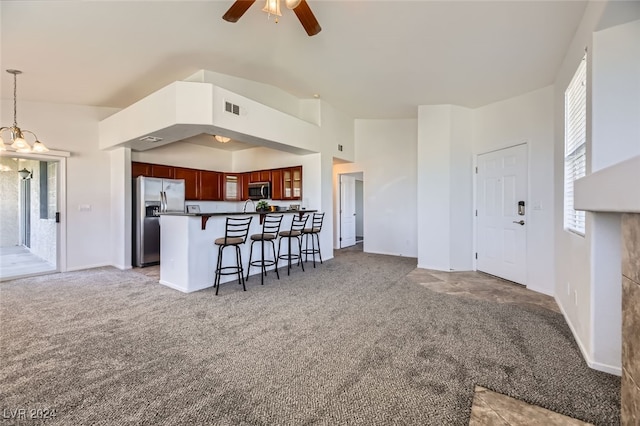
<point>163,201</point>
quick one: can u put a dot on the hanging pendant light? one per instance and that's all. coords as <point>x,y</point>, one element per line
<point>18,141</point>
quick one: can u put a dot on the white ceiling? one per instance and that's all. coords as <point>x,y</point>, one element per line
<point>373,59</point>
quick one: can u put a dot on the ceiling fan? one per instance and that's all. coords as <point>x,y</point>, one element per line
<point>300,7</point>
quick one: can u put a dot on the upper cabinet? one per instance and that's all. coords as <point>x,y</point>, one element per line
<point>260,176</point>
<point>160,171</point>
<point>277,188</point>
<point>191,182</point>
<point>292,183</point>
<point>207,185</point>
<point>140,169</point>
<point>232,186</point>
<point>152,170</point>
<point>210,186</point>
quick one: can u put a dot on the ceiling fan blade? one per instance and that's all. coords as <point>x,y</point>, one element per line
<point>307,18</point>
<point>237,9</point>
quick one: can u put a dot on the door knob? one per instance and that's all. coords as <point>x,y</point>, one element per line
<point>520,222</point>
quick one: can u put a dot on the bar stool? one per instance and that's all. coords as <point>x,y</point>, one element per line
<point>316,227</point>
<point>270,228</point>
<point>297,225</point>
<point>236,231</point>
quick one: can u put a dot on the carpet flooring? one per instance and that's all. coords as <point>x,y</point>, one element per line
<point>352,341</point>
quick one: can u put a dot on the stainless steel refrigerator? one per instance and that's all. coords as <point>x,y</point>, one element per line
<point>152,196</point>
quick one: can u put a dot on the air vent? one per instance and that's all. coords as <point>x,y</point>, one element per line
<point>152,139</point>
<point>232,108</point>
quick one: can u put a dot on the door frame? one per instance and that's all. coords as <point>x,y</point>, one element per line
<point>337,217</point>
<point>353,201</point>
<point>61,179</point>
<point>475,202</point>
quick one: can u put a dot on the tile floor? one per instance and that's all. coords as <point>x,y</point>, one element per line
<point>491,408</point>
<point>18,261</point>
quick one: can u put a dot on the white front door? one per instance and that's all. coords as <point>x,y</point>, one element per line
<point>347,211</point>
<point>502,208</point>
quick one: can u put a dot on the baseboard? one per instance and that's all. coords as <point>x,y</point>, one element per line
<point>184,290</point>
<point>611,369</point>
<point>433,268</point>
<point>541,290</point>
<point>391,254</point>
<point>82,268</point>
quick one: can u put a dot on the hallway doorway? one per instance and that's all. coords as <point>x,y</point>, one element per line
<point>29,216</point>
<point>350,209</point>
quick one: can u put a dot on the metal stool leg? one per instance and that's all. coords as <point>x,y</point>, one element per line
<point>263,269</point>
<point>240,269</point>
<point>250,257</point>
<point>319,252</point>
<point>275,255</point>
<point>300,252</point>
<point>289,256</point>
<point>218,270</point>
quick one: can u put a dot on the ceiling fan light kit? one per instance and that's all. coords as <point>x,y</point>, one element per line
<point>272,7</point>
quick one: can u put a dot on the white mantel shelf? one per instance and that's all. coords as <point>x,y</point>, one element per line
<point>613,189</point>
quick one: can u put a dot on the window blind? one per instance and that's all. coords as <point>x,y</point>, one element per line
<point>575,152</point>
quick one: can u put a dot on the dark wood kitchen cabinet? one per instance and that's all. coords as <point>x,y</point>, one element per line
<point>140,169</point>
<point>292,183</point>
<point>233,186</point>
<point>191,182</point>
<point>260,176</point>
<point>286,183</point>
<point>160,171</point>
<point>151,170</point>
<point>210,186</point>
<point>277,191</point>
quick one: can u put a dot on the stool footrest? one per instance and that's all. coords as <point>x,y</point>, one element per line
<point>266,262</point>
<point>229,270</point>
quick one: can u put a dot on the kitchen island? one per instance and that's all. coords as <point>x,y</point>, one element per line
<point>188,255</point>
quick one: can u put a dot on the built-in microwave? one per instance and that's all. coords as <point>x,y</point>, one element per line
<point>259,190</point>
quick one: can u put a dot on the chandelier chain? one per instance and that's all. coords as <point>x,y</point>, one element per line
<point>15,100</point>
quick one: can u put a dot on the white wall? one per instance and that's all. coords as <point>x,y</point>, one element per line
<point>88,174</point>
<point>385,152</point>
<point>587,289</point>
<point>615,81</point>
<point>527,119</point>
<point>260,92</point>
<point>445,191</point>
<point>187,155</point>
<point>121,208</point>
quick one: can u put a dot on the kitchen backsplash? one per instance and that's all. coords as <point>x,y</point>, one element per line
<point>230,206</point>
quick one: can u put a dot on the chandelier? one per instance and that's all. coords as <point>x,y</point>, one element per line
<point>18,141</point>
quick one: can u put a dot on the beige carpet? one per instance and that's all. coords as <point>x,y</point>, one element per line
<point>350,342</point>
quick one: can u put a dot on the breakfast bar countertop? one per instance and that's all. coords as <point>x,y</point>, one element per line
<point>235,213</point>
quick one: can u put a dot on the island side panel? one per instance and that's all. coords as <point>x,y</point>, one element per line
<point>174,252</point>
